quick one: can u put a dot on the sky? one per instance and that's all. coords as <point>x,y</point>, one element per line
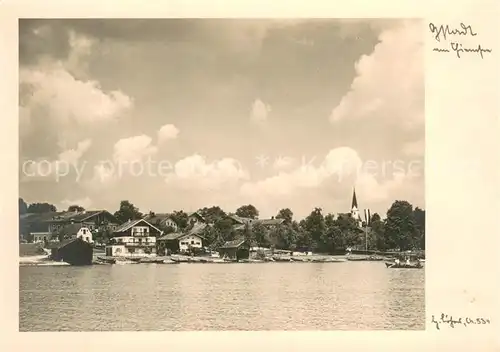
<point>179,114</point>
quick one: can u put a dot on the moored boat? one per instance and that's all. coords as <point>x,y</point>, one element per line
<point>371,258</point>
<point>403,266</point>
<point>282,259</point>
<point>106,260</point>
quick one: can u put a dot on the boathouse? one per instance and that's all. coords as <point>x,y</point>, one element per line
<point>236,250</point>
<point>74,252</point>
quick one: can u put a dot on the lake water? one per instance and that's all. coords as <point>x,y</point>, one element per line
<point>270,296</point>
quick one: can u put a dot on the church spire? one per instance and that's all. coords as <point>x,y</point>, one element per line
<point>354,200</point>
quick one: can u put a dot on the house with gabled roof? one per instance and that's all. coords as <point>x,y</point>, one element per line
<point>46,226</point>
<point>134,238</point>
<point>196,217</point>
<point>161,220</point>
<point>236,249</point>
<point>184,241</point>
<point>77,230</point>
<point>239,223</point>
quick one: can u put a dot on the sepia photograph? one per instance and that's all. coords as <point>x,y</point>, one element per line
<point>221,174</point>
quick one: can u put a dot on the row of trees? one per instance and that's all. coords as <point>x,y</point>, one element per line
<point>403,228</point>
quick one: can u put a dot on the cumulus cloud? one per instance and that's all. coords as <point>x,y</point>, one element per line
<point>72,156</point>
<point>167,132</point>
<point>56,94</point>
<point>260,111</point>
<point>133,148</point>
<point>195,172</point>
<point>389,85</point>
<point>375,182</point>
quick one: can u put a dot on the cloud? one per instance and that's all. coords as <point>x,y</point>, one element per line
<point>72,156</point>
<point>84,202</point>
<point>343,164</point>
<point>259,112</point>
<point>167,132</point>
<point>58,95</point>
<point>389,85</point>
<point>133,148</point>
<point>67,161</point>
<point>195,172</point>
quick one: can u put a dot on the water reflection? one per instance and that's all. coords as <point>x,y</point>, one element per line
<point>278,296</point>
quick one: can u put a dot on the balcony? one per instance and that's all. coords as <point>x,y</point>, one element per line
<point>139,244</point>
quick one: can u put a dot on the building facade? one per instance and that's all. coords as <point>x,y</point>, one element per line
<point>135,238</point>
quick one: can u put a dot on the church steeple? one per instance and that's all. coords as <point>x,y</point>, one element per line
<point>354,208</point>
<point>354,200</point>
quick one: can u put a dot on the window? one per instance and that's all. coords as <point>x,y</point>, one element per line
<point>192,242</point>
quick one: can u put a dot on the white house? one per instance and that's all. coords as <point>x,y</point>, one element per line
<point>134,239</point>
<point>77,230</point>
<point>181,242</point>
<point>189,241</point>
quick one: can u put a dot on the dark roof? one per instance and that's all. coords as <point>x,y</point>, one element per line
<point>127,225</point>
<point>252,222</point>
<point>38,226</point>
<point>196,229</point>
<point>60,244</point>
<point>71,229</point>
<point>233,244</point>
<point>170,236</point>
<point>197,214</point>
<point>240,220</point>
<point>157,218</point>
<point>266,222</point>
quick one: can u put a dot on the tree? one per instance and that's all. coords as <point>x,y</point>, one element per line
<point>23,207</point>
<point>286,214</point>
<point>180,218</point>
<point>247,211</point>
<point>314,225</point>
<point>41,208</point>
<point>224,226</point>
<point>401,231</point>
<point>284,236</point>
<point>419,215</point>
<point>212,214</point>
<point>377,230</point>
<point>127,212</point>
<point>349,230</point>
<point>260,235</point>
<point>75,208</point>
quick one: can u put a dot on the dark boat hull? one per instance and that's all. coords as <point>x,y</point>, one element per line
<point>402,266</point>
<point>365,259</point>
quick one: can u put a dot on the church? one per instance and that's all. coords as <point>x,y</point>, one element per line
<point>355,213</point>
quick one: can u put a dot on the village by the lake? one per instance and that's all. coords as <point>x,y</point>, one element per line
<point>221,174</point>
<point>77,236</point>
